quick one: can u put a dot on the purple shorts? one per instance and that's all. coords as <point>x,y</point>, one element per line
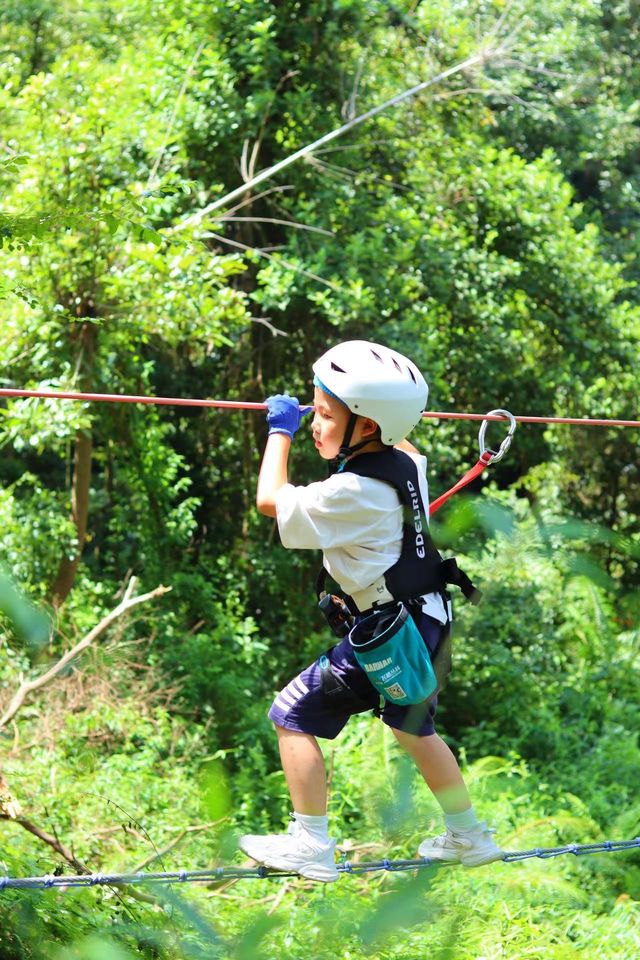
<point>306,706</point>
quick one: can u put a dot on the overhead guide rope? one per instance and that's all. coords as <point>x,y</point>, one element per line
<point>247,405</point>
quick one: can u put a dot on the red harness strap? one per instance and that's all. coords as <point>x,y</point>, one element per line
<point>482,464</point>
<point>487,456</point>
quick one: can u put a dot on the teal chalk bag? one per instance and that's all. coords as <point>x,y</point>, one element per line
<point>391,651</point>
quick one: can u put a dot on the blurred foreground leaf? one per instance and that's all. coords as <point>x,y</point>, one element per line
<point>29,623</point>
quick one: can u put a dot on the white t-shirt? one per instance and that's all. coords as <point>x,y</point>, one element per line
<point>356,522</point>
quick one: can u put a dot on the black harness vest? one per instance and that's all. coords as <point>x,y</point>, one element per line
<point>420,569</point>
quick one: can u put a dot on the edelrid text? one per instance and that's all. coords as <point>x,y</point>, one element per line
<point>417,519</point>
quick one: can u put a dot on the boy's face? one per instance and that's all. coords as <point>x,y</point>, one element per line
<point>330,419</point>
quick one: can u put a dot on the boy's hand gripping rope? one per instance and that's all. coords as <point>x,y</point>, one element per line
<point>214,874</point>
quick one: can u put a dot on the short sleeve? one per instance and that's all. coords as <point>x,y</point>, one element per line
<point>332,513</point>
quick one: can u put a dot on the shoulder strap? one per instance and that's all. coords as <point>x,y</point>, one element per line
<point>420,569</point>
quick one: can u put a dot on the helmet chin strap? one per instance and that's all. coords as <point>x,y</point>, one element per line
<point>346,450</point>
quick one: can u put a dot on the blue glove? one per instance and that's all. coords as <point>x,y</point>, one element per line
<point>284,414</point>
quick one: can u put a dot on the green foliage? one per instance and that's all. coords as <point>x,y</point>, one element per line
<point>35,529</point>
<point>487,228</point>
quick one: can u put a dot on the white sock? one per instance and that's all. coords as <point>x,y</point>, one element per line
<point>316,827</point>
<point>461,822</point>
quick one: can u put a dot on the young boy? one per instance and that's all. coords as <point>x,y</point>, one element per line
<point>367,399</point>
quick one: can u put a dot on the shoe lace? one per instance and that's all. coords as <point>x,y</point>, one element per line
<point>443,840</point>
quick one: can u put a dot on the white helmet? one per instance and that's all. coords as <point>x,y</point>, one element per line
<point>376,382</point>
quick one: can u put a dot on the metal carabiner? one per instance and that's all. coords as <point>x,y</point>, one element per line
<point>506,443</point>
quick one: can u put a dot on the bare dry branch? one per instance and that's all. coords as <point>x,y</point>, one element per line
<point>500,22</point>
<point>286,223</point>
<point>158,854</point>
<point>346,173</point>
<point>244,170</point>
<point>276,331</point>
<point>281,894</point>
<point>10,808</point>
<point>543,71</point>
<point>53,842</point>
<point>349,107</point>
<point>68,855</point>
<point>30,686</point>
<point>254,157</point>
<point>358,145</point>
<point>261,253</point>
<point>259,196</point>
<point>489,51</point>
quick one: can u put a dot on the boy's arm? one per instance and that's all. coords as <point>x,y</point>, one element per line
<point>273,472</point>
<point>284,415</point>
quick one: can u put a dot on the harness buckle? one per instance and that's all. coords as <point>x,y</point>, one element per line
<point>337,613</point>
<point>498,454</point>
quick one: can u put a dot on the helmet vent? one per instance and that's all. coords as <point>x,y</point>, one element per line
<point>334,366</point>
<point>412,375</point>
<point>377,356</point>
<point>396,365</point>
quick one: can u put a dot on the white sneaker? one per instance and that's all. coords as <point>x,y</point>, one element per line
<point>471,848</point>
<point>295,851</point>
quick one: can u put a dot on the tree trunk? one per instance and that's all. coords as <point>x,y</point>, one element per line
<point>81,484</point>
<point>63,582</point>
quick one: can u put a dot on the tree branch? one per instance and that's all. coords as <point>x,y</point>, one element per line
<point>52,841</point>
<point>261,253</point>
<point>267,323</point>
<point>158,854</point>
<point>81,485</point>
<point>286,223</point>
<point>487,53</point>
<point>78,865</point>
<point>29,686</point>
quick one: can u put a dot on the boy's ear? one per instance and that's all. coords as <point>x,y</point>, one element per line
<point>369,427</point>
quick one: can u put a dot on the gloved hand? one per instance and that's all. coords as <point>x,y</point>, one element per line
<point>284,414</point>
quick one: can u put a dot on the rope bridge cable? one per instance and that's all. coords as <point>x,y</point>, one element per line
<point>239,873</point>
<point>247,405</point>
